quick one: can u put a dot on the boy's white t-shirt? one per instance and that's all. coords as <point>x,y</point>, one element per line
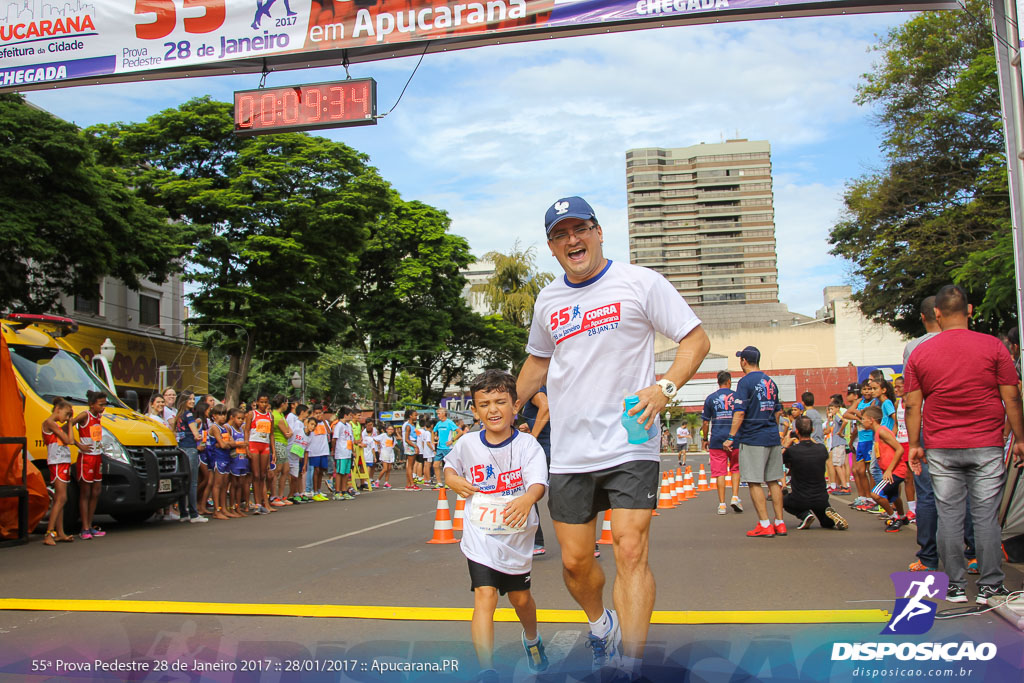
<point>294,424</point>
<point>368,443</point>
<point>509,468</point>
<point>342,441</point>
<point>387,447</point>
<point>318,441</point>
<point>421,441</point>
<point>426,440</point>
<point>599,336</point>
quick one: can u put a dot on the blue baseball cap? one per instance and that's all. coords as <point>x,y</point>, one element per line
<point>750,354</point>
<point>567,207</point>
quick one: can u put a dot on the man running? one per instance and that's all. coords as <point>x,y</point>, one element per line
<point>591,343</point>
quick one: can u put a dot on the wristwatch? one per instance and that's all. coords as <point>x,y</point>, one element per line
<point>667,388</point>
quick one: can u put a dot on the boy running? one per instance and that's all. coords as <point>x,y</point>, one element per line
<point>502,473</point>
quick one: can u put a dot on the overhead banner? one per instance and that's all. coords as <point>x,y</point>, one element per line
<point>55,43</point>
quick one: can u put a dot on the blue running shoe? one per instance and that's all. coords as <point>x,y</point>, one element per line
<point>606,649</point>
<point>535,656</point>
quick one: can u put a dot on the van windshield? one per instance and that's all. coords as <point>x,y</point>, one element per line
<point>53,373</point>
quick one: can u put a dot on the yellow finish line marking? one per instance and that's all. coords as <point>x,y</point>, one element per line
<point>547,616</point>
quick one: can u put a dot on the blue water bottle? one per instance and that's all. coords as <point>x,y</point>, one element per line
<point>635,430</point>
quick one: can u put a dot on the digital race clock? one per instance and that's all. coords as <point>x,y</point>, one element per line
<point>351,102</point>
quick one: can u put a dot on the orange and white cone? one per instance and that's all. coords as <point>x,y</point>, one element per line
<point>673,490</point>
<point>688,484</point>
<point>678,484</point>
<point>606,529</point>
<point>702,480</point>
<point>713,484</point>
<point>665,499</point>
<point>443,532</point>
<point>460,513</point>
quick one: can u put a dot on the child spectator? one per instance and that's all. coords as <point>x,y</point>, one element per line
<point>205,486</point>
<point>838,468</point>
<point>57,437</point>
<point>430,468</point>
<point>387,455</point>
<point>865,448</point>
<point>343,455</point>
<point>817,421</point>
<point>904,438</point>
<point>239,481</point>
<point>258,425</point>
<point>890,457</point>
<point>503,473</point>
<point>809,498</point>
<point>297,458</point>
<point>90,460</point>
<point>319,452</point>
<point>220,459</point>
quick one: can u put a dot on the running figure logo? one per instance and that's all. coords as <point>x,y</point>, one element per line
<point>914,614</point>
<point>263,10</point>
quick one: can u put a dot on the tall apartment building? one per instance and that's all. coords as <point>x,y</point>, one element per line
<point>702,216</point>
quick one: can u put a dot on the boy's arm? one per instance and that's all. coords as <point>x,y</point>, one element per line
<point>458,484</point>
<point>517,511</point>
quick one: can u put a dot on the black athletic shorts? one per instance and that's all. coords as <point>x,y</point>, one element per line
<point>578,498</point>
<point>482,575</point>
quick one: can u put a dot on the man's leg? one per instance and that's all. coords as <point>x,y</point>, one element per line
<point>633,590</point>
<point>984,481</point>
<point>582,574</point>
<point>776,492</point>
<point>949,482</point>
<point>927,519</point>
<point>757,497</point>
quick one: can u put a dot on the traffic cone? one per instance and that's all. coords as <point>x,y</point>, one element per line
<point>678,483</point>
<point>606,529</point>
<point>443,520</point>
<point>460,513</point>
<point>673,490</point>
<point>713,484</point>
<point>702,480</point>
<point>665,499</point>
<point>688,484</point>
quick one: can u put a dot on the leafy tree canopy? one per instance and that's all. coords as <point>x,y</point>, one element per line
<point>68,218</point>
<point>938,210</point>
<point>277,221</point>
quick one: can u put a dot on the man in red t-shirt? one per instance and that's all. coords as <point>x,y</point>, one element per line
<point>968,385</point>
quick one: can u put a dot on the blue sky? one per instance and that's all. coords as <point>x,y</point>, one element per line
<point>493,135</point>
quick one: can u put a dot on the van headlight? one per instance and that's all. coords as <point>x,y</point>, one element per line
<point>112,448</point>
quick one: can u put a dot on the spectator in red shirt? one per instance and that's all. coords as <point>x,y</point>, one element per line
<point>959,368</point>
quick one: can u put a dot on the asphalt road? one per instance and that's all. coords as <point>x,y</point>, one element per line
<point>373,551</point>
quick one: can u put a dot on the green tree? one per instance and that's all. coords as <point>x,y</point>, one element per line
<point>67,219</point>
<point>912,226</point>
<point>515,284</point>
<point>401,313</point>
<point>278,223</point>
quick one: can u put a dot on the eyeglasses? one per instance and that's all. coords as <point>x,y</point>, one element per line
<point>580,232</point>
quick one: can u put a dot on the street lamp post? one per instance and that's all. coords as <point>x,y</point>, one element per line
<point>299,383</point>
